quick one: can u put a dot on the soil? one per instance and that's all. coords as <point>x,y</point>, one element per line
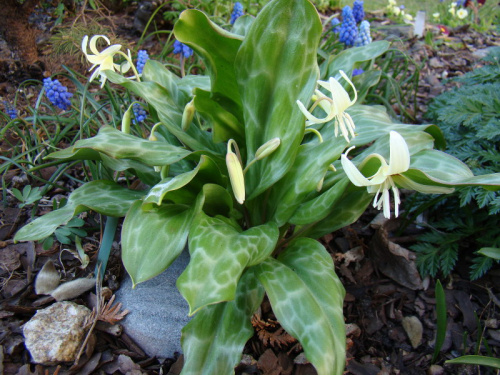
<point>390,311</point>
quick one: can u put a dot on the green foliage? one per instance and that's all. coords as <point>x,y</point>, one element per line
<point>469,117</point>
<point>28,195</point>
<point>251,220</point>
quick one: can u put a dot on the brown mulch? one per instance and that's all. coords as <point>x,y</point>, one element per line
<point>389,309</point>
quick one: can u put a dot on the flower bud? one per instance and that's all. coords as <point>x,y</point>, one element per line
<point>267,148</point>
<point>235,174</point>
<point>126,120</point>
<point>187,115</point>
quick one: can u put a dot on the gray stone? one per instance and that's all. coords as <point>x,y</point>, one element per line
<point>56,333</point>
<point>158,312</point>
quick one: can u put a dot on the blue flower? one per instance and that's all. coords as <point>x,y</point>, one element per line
<point>10,110</point>
<point>140,113</point>
<point>237,12</point>
<point>348,30</point>
<point>357,72</point>
<point>335,24</point>
<point>57,93</point>
<point>142,57</point>
<point>182,48</point>
<point>364,36</point>
<point>357,11</point>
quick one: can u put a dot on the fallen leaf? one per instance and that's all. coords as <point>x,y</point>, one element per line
<point>414,330</point>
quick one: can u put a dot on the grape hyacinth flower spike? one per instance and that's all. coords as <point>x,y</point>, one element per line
<point>237,12</point>
<point>142,57</point>
<point>10,110</point>
<point>57,93</point>
<point>358,11</point>
<point>334,107</point>
<point>364,36</point>
<point>388,175</point>
<point>336,25</point>
<point>181,48</point>
<point>348,30</point>
<point>140,113</point>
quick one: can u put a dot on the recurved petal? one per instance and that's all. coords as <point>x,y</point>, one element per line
<point>399,161</point>
<point>84,44</point>
<point>93,42</point>
<point>352,172</point>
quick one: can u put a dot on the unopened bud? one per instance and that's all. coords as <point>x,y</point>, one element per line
<point>187,115</point>
<point>235,174</point>
<point>319,186</point>
<point>153,137</point>
<point>126,120</point>
<point>267,148</point>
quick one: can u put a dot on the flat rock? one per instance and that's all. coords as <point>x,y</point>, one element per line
<point>158,312</point>
<point>55,334</point>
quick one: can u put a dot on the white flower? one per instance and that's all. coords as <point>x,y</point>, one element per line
<point>392,2</point>
<point>396,10</point>
<point>452,10</point>
<point>388,175</point>
<point>436,15</point>
<point>334,107</point>
<point>103,60</point>
<point>408,17</point>
<point>462,13</point>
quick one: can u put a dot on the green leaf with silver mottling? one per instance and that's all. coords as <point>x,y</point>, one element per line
<point>206,171</point>
<point>242,24</point>
<point>214,339</point>
<point>219,255</point>
<point>71,153</point>
<point>346,211</point>
<point>276,66</point>
<point>372,122</point>
<point>169,112</point>
<point>154,71</point>
<point>152,240</point>
<point>319,207</point>
<point>224,125</point>
<point>119,145</point>
<point>218,49</point>
<point>310,167</point>
<point>307,299</point>
<point>103,196</point>
<point>346,59</point>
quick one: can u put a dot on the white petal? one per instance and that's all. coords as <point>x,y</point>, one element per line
<point>399,161</point>
<point>84,44</point>
<point>387,203</point>
<point>352,172</point>
<point>94,40</point>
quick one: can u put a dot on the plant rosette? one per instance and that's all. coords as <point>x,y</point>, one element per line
<point>248,186</point>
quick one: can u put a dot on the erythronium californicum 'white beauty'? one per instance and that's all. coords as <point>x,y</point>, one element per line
<point>334,107</point>
<point>103,60</point>
<point>235,170</point>
<point>388,175</point>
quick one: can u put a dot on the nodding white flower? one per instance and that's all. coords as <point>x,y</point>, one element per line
<point>392,2</point>
<point>408,17</point>
<point>388,175</point>
<point>103,60</point>
<point>396,10</point>
<point>462,13</point>
<point>436,15</point>
<point>334,107</point>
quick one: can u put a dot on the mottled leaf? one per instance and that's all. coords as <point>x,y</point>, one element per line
<point>307,299</point>
<point>105,197</point>
<point>276,66</point>
<point>213,340</point>
<point>219,255</point>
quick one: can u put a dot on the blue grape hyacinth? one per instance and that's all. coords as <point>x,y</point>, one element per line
<point>57,93</point>
<point>358,11</point>
<point>183,49</point>
<point>10,110</point>
<point>364,36</point>
<point>336,25</point>
<point>357,72</point>
<point>348,30</point>
<point>140,113</point>
<point>142,57</point>
<point>237,12</point>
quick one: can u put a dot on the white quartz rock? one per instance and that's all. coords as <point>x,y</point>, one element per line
<point>56,333</point>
